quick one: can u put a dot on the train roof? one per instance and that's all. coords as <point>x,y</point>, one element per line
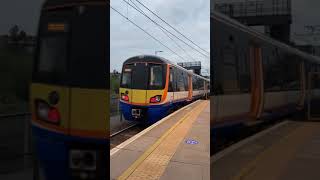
<point>236,24</point>
<point>158,59</point>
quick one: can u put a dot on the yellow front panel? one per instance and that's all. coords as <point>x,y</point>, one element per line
<point>141,96</point>
<point>90,110</point>
<point>138,96</point>
<point>42,91</point>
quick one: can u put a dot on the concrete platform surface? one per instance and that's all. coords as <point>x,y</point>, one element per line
<point>176,147</point>
<point>290,150</point>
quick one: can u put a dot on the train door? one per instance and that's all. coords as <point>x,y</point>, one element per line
<point>140,75</point>
<point>256,82</point>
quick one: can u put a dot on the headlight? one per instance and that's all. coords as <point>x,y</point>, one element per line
<point>83,160</point>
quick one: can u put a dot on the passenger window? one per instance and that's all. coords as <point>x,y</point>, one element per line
<point>156,77</point>
<point>171,82</point>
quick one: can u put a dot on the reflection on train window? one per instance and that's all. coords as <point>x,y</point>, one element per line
<point>230,83</point>
<point>52,57</point>
<point>281,73</point>
<point>186,83</point>
<point>230,71</point>
<point>180,80</point>
<point>156,77</point>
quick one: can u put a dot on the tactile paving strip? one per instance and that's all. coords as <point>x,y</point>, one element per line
<point>152,164</point>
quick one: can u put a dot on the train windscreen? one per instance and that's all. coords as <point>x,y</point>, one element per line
<point>143,76</point>
<point>53,55</point>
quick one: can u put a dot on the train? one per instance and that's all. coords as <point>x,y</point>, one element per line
<point>69,93</point>
<point>151,87</point>
<point>254,78</point>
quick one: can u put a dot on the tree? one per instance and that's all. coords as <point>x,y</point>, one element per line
<point>22,35</point>
<point>14,32</point>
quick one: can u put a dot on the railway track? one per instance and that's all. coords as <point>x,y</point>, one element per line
<point>124,134</point>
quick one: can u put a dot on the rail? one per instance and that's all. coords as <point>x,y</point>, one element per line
<point>122,130</point>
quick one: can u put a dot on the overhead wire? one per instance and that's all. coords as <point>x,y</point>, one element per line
<point>161,28</point>
<point>154,38</point>
<point>172,27</point>
<point>139,10</point>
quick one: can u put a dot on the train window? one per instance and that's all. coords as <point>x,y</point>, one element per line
<point>170,88</point>
<point>172,81</point>
<point>194,83</point>
<point>200,84</point>
<point>244,73</point>
<point>53,55</point>
<point>156,77</point>
<point>186,82</point>
<point>126,77</point>
<point>273,72</point>
<point>180,80</point>
<point>230,80</point>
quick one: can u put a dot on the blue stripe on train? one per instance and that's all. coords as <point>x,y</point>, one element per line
<point>52,151</point>
<point>153,113</point>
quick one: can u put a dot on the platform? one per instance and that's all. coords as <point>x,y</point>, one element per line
<point>289,150</point>
<point>176,147</point>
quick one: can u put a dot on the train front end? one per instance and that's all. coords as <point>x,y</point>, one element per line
<point>69,91</point>
<point>144,89</point>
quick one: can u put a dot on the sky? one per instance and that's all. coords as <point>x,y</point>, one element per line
<point>24,13</point>
<point>191,19</point>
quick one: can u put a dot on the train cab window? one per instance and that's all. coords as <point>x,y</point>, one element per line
<point>53,55</point>
<point>156,77</point>
<point>126,77</point>
<point>52,59</point>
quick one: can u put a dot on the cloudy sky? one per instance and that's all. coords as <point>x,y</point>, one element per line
<point>192,19</point>
<point>24,13</point>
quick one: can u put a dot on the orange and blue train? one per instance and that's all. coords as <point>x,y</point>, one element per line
<point>254,78</point>
<point>69,91</point>
<point>151,87</point>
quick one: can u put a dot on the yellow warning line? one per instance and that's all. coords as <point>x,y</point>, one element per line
<point>272,160</point>
<point>165,159</point>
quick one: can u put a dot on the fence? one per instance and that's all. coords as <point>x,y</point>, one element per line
<point>254,8</point>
